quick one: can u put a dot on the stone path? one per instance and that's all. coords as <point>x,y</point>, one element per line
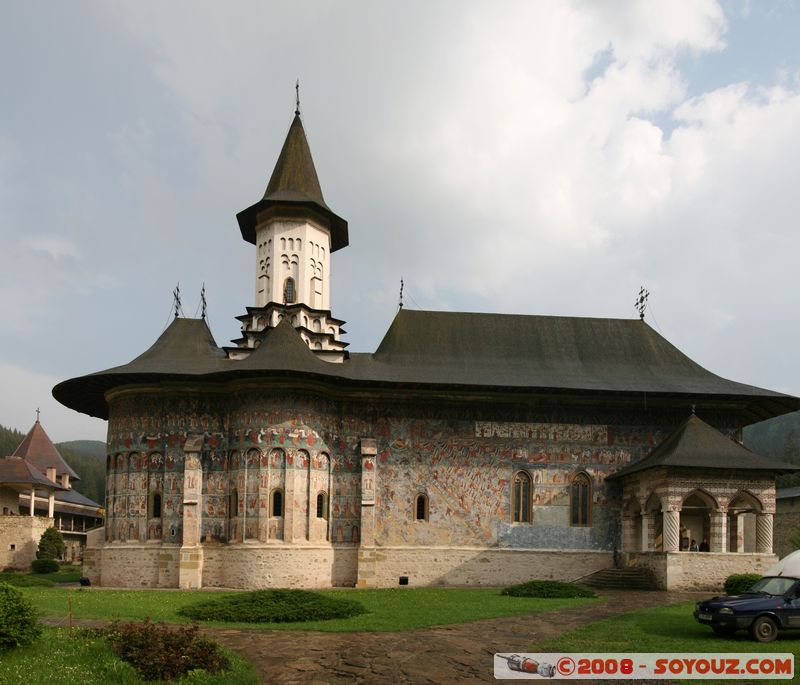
<point>449,654</point>
<point>459,653</point>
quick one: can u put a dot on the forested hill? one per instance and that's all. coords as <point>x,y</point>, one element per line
<point>778,438</point>
<point>86,457</point>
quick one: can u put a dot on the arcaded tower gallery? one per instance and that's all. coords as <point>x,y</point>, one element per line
<point>467,449</point>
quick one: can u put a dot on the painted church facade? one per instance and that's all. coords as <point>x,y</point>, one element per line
<point>467,449</point>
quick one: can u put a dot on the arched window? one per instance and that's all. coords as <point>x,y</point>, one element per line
<point>289,294</point>
<point>421,507</point>
<point>521,497</point>
<point>580,500</point>
<point>155,505</point>
<point>277,503</point>
<point>322,506</point>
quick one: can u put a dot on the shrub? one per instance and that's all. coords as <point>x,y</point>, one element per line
<point>738,583</point>
<point>51,545</point>
<point>273,606</point>
<point>44,566</point>
<point>19,624</point>
<point>159,652</point>
<point>547,588</point>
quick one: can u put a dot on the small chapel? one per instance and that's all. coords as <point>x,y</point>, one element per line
<point>467,449</point>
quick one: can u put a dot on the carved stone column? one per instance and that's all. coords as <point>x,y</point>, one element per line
<point>719,531</point>
<point>764,533</point>
<point>648,532</point>
<point>367,554</point>
<point>190,564</point>
<point>671,530</point>
<point>737,533</point>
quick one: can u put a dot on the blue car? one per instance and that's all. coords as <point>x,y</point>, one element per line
<point>771,604</point>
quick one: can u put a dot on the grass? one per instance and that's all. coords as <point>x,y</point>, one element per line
<point>24,579</point>
<point>387,610</point>
<point>61,658</point>
<point>662,629</point>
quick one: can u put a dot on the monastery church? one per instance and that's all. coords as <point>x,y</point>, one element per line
<point>468,449</point>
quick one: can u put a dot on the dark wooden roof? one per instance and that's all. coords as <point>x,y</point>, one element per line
<point>294,185</point>
<point>39,451</point>
<point>695,444</point>
<point>16,471</point>
<point>501,352</point>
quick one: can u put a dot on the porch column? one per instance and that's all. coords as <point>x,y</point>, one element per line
<point>764,533</point>
<point>629,541</point>
<point>33,501</point>
<point>648,529</point>
<point>737,533</point>
<point>719,531</point>
<point>51,503</point>
<point>672,530</point>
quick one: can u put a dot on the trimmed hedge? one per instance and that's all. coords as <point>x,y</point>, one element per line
<point>738,583</point>
<point>273,606</point>
<point>44,566</point>
<point>547,589</point>
<point>19,624</point>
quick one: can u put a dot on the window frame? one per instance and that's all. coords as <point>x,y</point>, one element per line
<point>421,498</point>
<point>580,500</point>
<point>521,498</point>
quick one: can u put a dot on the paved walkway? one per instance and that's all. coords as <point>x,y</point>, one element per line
<point>459,653</point>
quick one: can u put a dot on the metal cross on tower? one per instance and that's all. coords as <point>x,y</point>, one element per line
<point>203,303</point>
<point>176,297</point>
<point>297,98</point>
<point>641,302</point>
<point>401,293</point>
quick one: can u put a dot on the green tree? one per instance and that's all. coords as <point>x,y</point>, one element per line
<point>51,545</point>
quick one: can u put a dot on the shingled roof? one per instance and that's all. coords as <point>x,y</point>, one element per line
<point>695,444</point>
<point>294,185</point>
<point>501,352</point>
<point>16,471</point>
<point>39,451</point>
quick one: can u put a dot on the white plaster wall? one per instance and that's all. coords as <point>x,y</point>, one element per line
<point>312,253</point>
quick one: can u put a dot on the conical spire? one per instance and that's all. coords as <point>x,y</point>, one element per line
<point>39,451</point>
<point>294,190</point>
<point>294,177</point>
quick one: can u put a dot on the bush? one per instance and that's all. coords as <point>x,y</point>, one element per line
<point>19,624</point>
<point>44,566</point>
<point>738,583</point>
<point>547,588</point>
<point>159,652</point>
<point>273,606</point>
<point>51,545</point>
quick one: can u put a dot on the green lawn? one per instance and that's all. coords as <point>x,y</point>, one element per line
<point>665,629</point>
<point>388,610</point>
<point>61,658</point>
<point>25,578</point>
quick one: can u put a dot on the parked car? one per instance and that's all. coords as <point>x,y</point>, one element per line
<point>771,604</point>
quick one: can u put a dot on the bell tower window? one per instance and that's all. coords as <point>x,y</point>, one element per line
<point>289,291</point>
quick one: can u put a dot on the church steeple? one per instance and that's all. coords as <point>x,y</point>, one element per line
<point>294,189</point>
<point>294,232</point>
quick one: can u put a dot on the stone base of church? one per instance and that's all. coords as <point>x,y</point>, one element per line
<point>19,540</point>
<point>697,570</point>
<point>257,565</point>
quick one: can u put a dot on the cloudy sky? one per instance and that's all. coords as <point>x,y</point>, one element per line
<point>535,158</point>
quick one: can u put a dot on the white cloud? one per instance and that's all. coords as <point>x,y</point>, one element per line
<point>55,246</point>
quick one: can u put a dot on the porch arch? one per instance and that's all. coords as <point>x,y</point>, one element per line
<point>747,524</point>
<point>696,512</point>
